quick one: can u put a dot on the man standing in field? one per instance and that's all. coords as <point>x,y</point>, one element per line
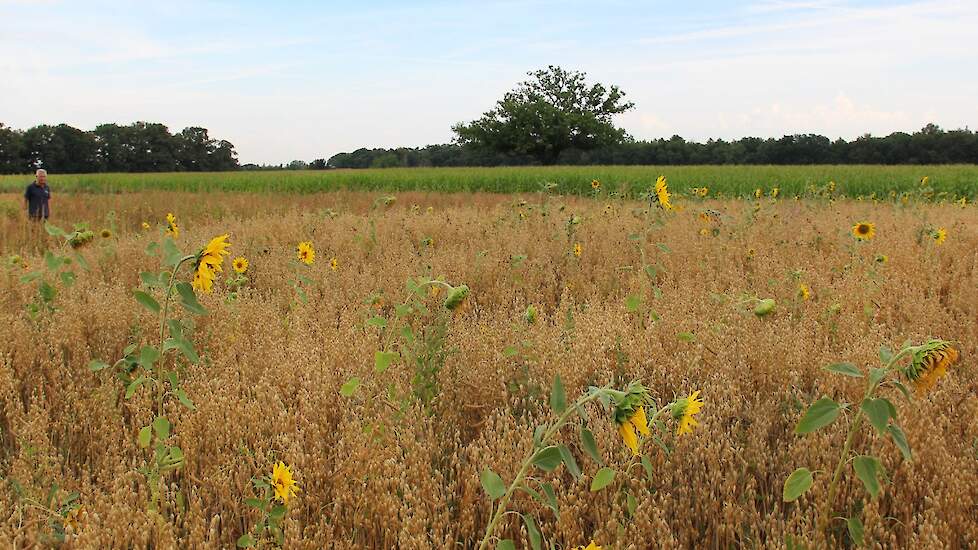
<point>37,195</point>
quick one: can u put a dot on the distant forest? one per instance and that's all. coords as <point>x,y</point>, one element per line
<point>138,147</point>
<point>150,147</point>
<point>930,145</point>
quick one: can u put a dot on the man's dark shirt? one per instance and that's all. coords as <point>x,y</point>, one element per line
<point>37,200</point>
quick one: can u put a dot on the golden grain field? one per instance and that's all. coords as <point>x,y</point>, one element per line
<point>665,298</point>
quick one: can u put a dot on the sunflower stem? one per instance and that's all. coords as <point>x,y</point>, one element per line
<point>166,311</point>
<point>825,516</point>
<point>528,461</point>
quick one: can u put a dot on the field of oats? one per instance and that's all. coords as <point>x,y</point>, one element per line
<point>405,407</point>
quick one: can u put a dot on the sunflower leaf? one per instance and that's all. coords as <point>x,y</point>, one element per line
<point>797,484</point>
<point>505,544</point>
<point>532,532</point>
<point>350,387</point>
<point>602,479</point>
<point>245,541</point>
<point>856,531</point>
<point>847,369</point>
<point>145,434</point>
<point>900,440</point>
<point>558,399</point>
<point>820,414</point>
<point>189,300</point>
<point>548,459</point>
<point>492,484</point>
<point>868,470</point>
<point>569,461</point>
<point>548,491</point>
<point>383,360</point>
<point>886,355</point>
<point>590,445</point>
<point>647,465</point>
<point>877,412</point>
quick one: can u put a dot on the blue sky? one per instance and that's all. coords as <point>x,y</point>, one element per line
<point>286,80</point>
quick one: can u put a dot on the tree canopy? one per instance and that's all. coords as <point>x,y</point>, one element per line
<point>553,111</point>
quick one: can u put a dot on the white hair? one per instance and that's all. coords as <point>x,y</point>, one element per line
<point>41,172</point>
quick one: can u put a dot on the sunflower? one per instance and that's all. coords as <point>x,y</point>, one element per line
<point>306,253</point>
<point>939,235</point>
<point>145,226</point>
<point>864,231</point>
<point>240,264</point>
<point>106,233</point>
<point>758,193</point>
<point>775,192</point>
<point>71,518</point>
<point>334,264</point>
<point>803,292</point>
<point>930,363</point>
<point>283,484</point>
<point>591,546</point>
<point>662,193</point>
<point>924,180</point>
<point>683,411</point>
<point>171,225</point>
<point>630,415</point>
<point>209,262</point>
<point>595,184</point>
<point>636,422</point>
<point>962,202</point>
<point>882,258</point>
<point>578,249</point>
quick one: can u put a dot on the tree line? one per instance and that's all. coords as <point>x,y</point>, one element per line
<point>138,147</point>
<point>930,145</point>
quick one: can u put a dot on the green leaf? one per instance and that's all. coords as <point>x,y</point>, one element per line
<point>505,544</point>
<point>602,479</point>
<point>686,336</point>
<point>900,440</point>
<point>47,292</point>
<point>558,399</point>
<point>547,459</point>
<point>255,503</point>
<point>875,375</point>
<point>246,541</point>
<point>67,278</point>
<point>903,389</point>
<point>532,532</point>
<point>145,434</point>
<point>378,322</point>
<point>847,369</point>
<point>350,387</point>
<point>878,413</point>
<point>150,279</point>
<point>278,512</point>
<point>510,351</point>
<point>184,400</point>
<point>867,470</point>
<point>647,464</point>
<point>131,388</point>
<point>663,247</point>
<point>96,365</point>
<point>633,302</point>
<point>590,445</point>
<point>189,300</point>
<point>820,414</point>
<point>630,504</point>
<point>148,356</point>
<point>188,350</point>
<point>569,461</point>
<point>492,484</point>
<point>52,261</point>
<point>856,531</point>
<point>54,230</point>
<point>886,355</point>
<point>31,277</point>
<point>383,360</point>
<point>161,426</point>
<point>548,491</point>
<point>797,484</point>
<point>171,254</point>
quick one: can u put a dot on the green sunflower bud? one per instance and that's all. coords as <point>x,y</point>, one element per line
<point>456,296</point>
<point>531,314</point>
<point>764,307</point>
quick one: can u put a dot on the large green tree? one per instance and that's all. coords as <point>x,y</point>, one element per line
<point>553,111</point>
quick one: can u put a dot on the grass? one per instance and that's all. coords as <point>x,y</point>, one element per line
<point>267,387</point>
<point>852,180</point>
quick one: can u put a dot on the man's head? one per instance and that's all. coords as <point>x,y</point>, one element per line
<point>41,176</point>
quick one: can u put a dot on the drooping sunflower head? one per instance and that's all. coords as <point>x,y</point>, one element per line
<point>305,252</point>
<point>939,235</point>
<point>930,363</point>
<point>171,225</point>
<point>683,411</point>
<point>456,297</point>
<point>240,264</point>
<point>630,415</point>
<point>864,231</point>
<point>283,483</point>
<point>209,262</point>
<point>591,546</point>
<point>578,249</point>
<point>662,193</point>
<point>595,184</point>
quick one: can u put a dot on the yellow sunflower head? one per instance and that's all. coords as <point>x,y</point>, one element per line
<point>306,253</point>
<point>595,184</point>
<point>240,264</point>
<point>864,231</point>
<point>683,411</point>
<point>758,193</point>
<point>803,292</point>
<point>578,249</point>
<point>939,235</point>
<point>591,546</point>
<point>775,192</point>
<point>171,225</point>
<point>930,363</point>
<point>106,233</point>
<point>209,262</point>
<point>882,258</point>
<point>145,226</point>
<point>334,264</point>
<point>630,416</point>
<point>662,193</point>
<point>283,484</point>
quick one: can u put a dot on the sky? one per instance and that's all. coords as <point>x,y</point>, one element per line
<point>304,80</point>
